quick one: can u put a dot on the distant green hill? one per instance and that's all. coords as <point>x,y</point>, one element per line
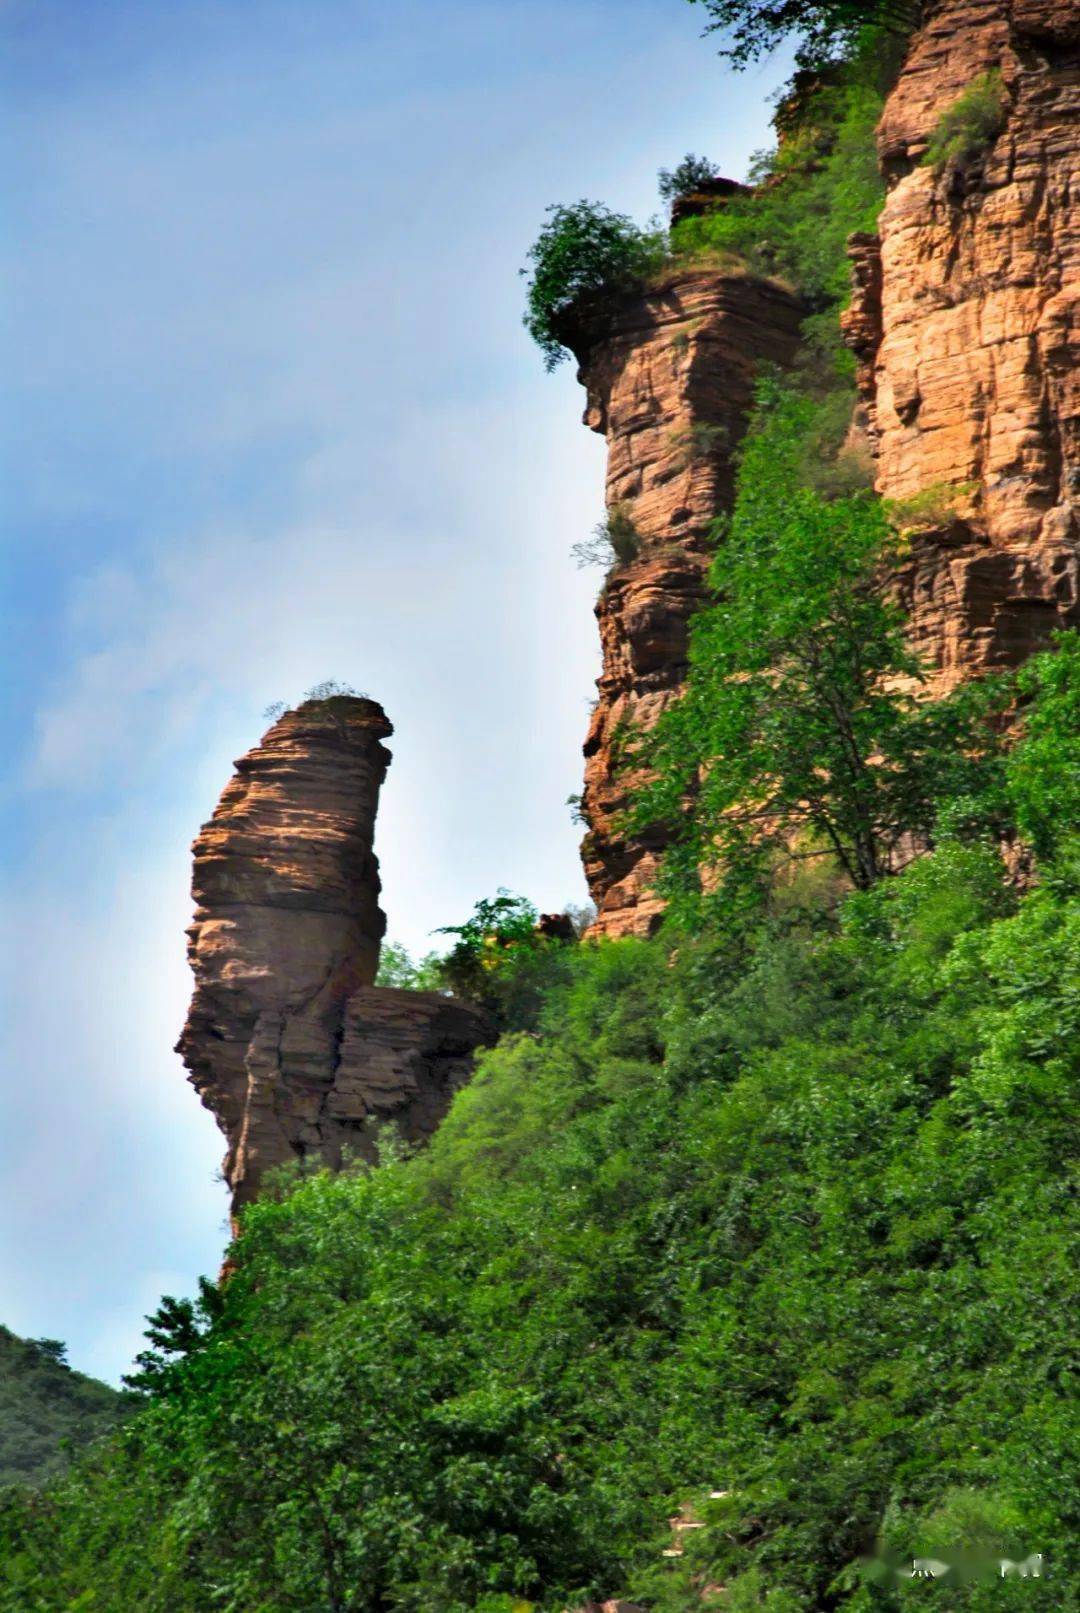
<point>45,1408</point>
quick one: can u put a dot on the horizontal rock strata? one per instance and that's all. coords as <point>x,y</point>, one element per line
<point>966,327</point>
<point>287,1041</point>
<point>965,322</point>
<point>669,387</point>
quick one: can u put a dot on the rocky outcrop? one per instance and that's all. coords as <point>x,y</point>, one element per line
<point>669,387</point>
<point>966,330</point>
<point>287,1041</point>
<point>965,326</point>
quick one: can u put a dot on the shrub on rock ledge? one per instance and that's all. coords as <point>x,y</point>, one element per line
<point>583,256</point>
<point>970,125</point>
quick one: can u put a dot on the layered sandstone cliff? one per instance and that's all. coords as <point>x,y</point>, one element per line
<point>287,1041</point>
<point>669,387</point>
<point>966,325</point>
<point>965,321</point>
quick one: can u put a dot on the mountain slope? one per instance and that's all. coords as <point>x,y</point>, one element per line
<point>46,1407</point>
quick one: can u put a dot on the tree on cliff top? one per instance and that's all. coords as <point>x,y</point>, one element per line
<point>687,177</point>
<point>826,27</point>
<point>584,255</point>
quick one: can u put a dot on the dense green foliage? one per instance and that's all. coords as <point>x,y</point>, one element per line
<point>1044,770</point>
<point>584,256</point>
<point>775,1228</point>
<point>686,177</point>
<point>971,124</point>
<point>825,28</point>
<point>501,960</point>
<point>788,1220</point>
<point>801,734</point>
<point>397,967</point>
<point>47,1411</point>
<point>823,183</point>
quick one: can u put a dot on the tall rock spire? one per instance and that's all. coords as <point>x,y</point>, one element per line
<point>287,1040</point>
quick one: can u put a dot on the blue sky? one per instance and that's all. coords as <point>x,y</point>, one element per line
<point>271,417</point>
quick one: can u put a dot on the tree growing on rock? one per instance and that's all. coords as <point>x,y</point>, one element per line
<point>686,177</point>
<point>801,734</point>
<point>584,255</point>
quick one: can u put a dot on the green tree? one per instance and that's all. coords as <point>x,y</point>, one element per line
<point>1043,769</point>
<point>398,968</point>
<point>502,961</point>
<point>800,733</point>
<point>583,258</point>
<point>176,1330</point>
<point>496,926</point>
<point>824,27</point>
<point>686,177</point>
<point>54,1350</point>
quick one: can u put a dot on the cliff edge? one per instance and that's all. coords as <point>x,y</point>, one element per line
<point>965,324</point>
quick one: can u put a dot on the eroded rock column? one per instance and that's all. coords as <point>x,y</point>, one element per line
<point>287,1041</point>
<point>670,388</point>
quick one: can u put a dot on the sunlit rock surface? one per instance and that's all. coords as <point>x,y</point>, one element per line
<point>288,1041</point>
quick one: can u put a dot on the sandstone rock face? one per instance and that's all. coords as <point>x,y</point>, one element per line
<point>287,1041</point>
<point>965,325</point>
<point>965,322</point>
<point>670,388</point>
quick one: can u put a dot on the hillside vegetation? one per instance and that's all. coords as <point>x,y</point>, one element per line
<point>745,1268</point>
<point>765,1224</point>
<point>47,1411</point>
<point>778,1232</point>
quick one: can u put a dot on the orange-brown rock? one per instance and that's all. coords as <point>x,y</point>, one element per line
<point>966,326</point>
<point>965,322</point>
<point>287,1041</point>
<point>669,387</point>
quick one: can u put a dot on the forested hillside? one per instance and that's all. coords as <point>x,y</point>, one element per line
<point>776,1235</point>
<point>47,1411</point>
